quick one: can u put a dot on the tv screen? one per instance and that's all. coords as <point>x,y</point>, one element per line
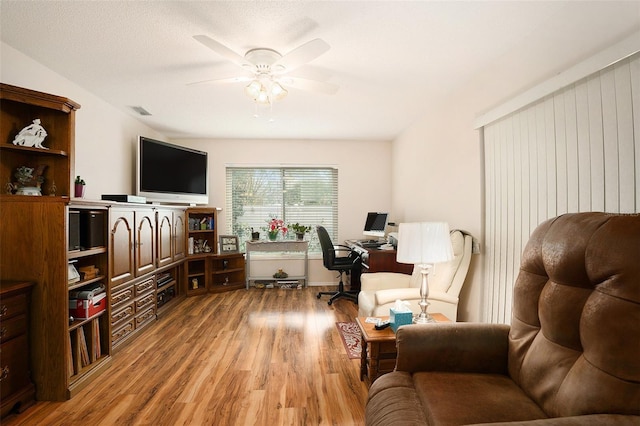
<point>375,224</point>
<point>171,173</point>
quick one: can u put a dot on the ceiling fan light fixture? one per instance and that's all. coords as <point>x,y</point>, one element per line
<point>263,97</point>
<point>278,92</point>
<point>253,89</point>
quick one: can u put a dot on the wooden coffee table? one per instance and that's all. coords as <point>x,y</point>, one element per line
<point>379,352</point>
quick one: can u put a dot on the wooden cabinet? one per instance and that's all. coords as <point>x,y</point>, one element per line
<point>132,239</point>
<point>16,388</point>
<point>227,272</point>
<point>88,336</point>
<point>132,263</point>
<point>171,250</point>
<point>35,241</point>
<point>201,243</point>
<point>205,269</point>
<point>41,236</point>
<point>170,241</point>
<point>19,108</point>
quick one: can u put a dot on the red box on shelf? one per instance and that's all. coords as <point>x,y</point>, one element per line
<point>86,308</point>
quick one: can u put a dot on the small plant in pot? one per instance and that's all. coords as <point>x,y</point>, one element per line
<point>79,185</point>
<point>300,230</point>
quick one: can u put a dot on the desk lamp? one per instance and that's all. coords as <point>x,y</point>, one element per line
<point>424,244</point>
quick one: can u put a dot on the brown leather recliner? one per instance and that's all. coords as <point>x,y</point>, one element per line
<point>570,357</point>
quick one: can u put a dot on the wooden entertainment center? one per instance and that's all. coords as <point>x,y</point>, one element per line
<point>68,248</point>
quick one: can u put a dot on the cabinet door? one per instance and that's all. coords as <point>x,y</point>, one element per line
<point>165,240</point>
<point>179,240</point>
<point>144,242</point>
<point>121,244</point>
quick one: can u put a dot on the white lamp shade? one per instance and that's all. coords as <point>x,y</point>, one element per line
<point>424,243</point>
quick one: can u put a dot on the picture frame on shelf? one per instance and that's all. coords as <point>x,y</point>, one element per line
<point>228,244</point>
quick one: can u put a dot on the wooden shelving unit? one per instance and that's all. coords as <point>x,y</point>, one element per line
<point>208,271</point>
<point>227,272</point>
<point>35,244</point>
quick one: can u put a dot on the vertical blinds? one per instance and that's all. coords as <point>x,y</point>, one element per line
<point>308,196</point>
<point>576,150</point>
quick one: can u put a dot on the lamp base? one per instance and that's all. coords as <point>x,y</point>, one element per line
<point>423,318</point>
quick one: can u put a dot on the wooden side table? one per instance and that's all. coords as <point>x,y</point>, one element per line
<point>378,355</point>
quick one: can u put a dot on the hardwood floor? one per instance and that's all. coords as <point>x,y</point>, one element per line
<point>256,357</point>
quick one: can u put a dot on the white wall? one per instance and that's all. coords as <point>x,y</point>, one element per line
<point>359,189</point>
<point>105,150</point>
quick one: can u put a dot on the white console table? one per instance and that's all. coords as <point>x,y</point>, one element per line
<point>277,246</point>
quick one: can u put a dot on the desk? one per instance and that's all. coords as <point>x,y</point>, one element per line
<point>378,355</point>
<point>278,246</point>
<point>376,260</point>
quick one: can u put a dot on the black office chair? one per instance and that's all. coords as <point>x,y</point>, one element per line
<point>341,264</point>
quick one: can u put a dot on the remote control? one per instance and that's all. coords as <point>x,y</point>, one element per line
<point>381,325</point>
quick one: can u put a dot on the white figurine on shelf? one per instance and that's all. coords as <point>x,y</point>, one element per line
<point>32,135</point>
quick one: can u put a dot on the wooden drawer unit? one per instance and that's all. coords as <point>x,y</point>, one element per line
<point>144,287</point>
<point>121,297</point>
<point>133,306</point>
<point>13,327</point>
<point>122,315</point>
<point>146,316</point>
<point>17,391</point>
<point>119,335</point>
<point>145,301</point>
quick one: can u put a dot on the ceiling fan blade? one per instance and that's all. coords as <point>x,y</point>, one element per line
<point>307,72</point>
<point>303,54</point>
<point>222,80</point>
<point>310,85</point>
<point>223,50</point>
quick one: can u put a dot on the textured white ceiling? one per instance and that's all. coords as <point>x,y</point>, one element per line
<point>391,59</point>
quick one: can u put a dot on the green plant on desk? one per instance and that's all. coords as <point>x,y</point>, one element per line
<point>299,229</point>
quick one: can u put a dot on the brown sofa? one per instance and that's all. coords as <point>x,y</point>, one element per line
<point>570,357</point>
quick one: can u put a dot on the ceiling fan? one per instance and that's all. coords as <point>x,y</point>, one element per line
<point>268,71</point>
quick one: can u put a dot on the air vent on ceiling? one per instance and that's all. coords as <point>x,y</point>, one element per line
<point>140,110</point>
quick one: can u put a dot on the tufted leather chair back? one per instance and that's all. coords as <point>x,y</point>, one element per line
<point>574,345</point>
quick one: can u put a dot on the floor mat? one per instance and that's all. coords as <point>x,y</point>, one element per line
<point>350,334</point>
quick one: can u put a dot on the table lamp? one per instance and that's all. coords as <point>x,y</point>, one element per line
<point>424,244</point>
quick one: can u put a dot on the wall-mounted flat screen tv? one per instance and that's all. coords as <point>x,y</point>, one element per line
<point>171,173</point>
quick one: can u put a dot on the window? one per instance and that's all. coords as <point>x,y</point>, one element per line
<point>308,196</point>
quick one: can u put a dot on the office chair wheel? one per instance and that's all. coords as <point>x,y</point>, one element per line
<point>318,296</point>
<point>329,302</point>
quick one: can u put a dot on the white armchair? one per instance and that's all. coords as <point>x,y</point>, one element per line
<point>380,290</point>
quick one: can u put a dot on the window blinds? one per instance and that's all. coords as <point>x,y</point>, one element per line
<point>308,196</point>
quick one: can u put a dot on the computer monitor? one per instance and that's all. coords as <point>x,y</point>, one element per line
<point>376,224</point>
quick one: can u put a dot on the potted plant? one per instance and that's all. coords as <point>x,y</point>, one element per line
<point>79,185</point>
<point>300,230</point>
<point>274,227</point>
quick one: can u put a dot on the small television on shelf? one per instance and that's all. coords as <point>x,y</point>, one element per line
<point>375,225</point>
<point>171,173</point>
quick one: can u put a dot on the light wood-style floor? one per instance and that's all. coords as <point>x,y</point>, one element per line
<point>257,357</point>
